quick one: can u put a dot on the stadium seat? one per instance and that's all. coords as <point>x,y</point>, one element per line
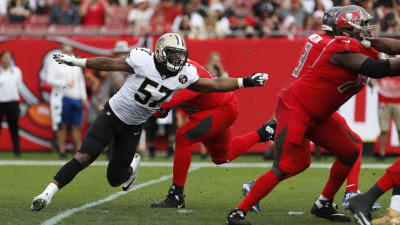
<point>59,30</point>
<point>86,30</point>
<point>39,19</point>
<point>115,30</point>
<point>11,29</point>
<point>35,30</point>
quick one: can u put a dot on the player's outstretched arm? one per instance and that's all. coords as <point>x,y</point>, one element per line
<point>228,84</point>
<point>386,45</point>
<point>367,66</point>
<point>96,63</point>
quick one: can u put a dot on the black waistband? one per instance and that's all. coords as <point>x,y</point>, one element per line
<point>137,128</point>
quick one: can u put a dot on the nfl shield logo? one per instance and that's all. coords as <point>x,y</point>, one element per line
<point>183,79</point>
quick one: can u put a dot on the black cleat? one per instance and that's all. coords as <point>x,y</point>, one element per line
<point>175,199</point>
<point>236,217</point>
<point>361,205</point>
<point>326,209</point>
<point>267,131</point>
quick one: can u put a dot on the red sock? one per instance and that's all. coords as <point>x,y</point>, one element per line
<point>241,144</point>
<point>352,178</point>
<point>182,160</point>
<point>338,174</point>
<point>385,182</point>
<point>264,184</point>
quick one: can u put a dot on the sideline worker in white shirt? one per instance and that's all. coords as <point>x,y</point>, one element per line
<point>10,84</point>
<point>68,88</point>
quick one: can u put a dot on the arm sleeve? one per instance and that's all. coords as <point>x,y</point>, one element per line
<point>180,97</point>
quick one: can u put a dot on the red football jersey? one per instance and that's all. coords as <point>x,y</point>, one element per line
<point>321,87</point>
<point>192,101</point>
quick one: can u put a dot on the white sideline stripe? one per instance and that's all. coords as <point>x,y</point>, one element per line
<point>170,164</point>
<point>67,213</point>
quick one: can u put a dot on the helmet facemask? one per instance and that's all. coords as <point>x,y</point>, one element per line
<point>174,58</point>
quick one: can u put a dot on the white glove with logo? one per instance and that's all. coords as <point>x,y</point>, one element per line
<point>69,60</point>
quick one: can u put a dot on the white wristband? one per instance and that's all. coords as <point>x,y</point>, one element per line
<point>240,82</point>
<point>80,62</point>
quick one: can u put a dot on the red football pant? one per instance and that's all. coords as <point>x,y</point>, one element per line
<point>391,178</point>
<point>294,131</point>
<point>213,129</point>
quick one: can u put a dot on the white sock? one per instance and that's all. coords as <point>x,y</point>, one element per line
<point>395,203</point>
<point>321,197</point>
<point>50,190</point>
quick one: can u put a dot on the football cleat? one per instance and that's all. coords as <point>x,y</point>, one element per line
<point>174,199</point>
<point>128,185</point>
<point>327,209</point>
<point>236,217</point>
<point>267,131</point>
<point>348,194</point>
<point>391,218</point>
<point>245,189</point>
<point>361,205</point>
<point>40,202</point>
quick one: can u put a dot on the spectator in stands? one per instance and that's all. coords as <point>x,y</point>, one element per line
<point>3,7</point>
<point>184,27</point>
<point>390,25</point>
<point>158,23</point>
<point>369,6</point>
<point>290,27</point>
<point>169,11</point>
<point>296,10</point>
<point>70,84</point>
<point>10,84</point>
<point>196,21</point>
<point>214,65</point>
<point>140,16</point>
<point>240,27</point>
<point>223,21</point>
<point>93,12</point>
<point>18,11</point>
<point>211,28</point>
<point>64,13</point>
<point>40,6</point>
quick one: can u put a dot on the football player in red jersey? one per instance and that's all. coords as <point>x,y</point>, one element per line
<point>306,106</point>
<point>211,116</point>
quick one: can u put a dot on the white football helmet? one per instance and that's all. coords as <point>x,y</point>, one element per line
<point>171,51</point>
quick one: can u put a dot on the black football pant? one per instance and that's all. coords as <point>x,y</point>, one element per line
<point>106,127</point>
<point>11,110</point>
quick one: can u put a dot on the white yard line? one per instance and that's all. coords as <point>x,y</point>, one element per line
<point>170,164</point>
<point>67,213</point>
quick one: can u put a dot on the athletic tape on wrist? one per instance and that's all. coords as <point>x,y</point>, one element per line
<point>240,82</point>
<point>79,62</point>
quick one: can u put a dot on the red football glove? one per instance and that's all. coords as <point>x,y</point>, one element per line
<point>161,113</point>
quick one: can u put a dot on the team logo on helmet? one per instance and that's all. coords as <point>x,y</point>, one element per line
<point>182,79</point>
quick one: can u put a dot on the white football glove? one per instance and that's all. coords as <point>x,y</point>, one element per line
<point>257,79</point>
<point>69,60</point>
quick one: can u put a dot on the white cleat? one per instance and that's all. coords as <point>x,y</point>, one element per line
<point>131,181</point>
<point>40,202</point>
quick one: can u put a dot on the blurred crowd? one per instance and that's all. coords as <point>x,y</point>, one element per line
<point>196,19</point>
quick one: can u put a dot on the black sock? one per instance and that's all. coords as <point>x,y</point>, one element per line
<point>375,192</point>
<point>175,189</point>
<point>396,190</point>
<point>68,172</point>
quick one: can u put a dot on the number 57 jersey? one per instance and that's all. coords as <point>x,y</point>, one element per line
<point>145,90</point>
<point>318,86</point>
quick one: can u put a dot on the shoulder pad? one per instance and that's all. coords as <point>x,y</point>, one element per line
<point>139,56</point>
<point>345,44</point>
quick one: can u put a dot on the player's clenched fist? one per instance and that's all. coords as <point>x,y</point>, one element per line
<point>257,79</point>
<point>69,60</point>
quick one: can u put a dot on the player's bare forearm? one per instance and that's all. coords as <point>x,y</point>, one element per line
<point>215,85</point>
<point>108,64</point>
<point>228,84</point>
<point>387,45</point>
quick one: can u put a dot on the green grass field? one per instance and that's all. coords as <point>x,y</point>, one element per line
<point>211,192</point>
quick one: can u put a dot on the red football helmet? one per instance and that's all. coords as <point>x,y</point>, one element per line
<point>354,21</point>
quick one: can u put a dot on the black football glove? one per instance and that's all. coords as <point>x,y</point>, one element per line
<point>257,79</point>
<point>267,131</point>
<point>161,113</point>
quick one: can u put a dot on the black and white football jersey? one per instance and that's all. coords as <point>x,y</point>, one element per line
<point>146,89</point>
